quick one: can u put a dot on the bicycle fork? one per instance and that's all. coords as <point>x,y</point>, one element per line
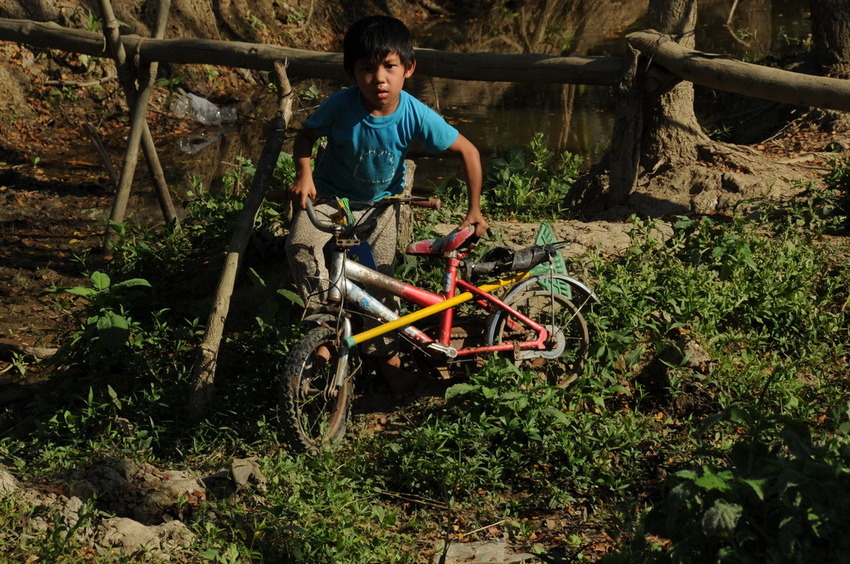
<point>344,352</point>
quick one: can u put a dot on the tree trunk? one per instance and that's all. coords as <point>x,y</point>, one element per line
<point>831,36</point>
<point>831,49</point>
<point>656,125</point>
<point>660,162</point>
<point>671,131</point>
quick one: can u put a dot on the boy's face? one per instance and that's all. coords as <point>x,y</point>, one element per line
<point>380,82</point>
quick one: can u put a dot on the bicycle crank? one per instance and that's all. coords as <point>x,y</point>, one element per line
<point>556,343</point>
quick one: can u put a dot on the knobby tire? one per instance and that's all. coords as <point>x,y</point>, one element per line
<point>313,413</point>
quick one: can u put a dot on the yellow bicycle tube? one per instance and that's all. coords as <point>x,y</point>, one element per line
<point>430,310</point>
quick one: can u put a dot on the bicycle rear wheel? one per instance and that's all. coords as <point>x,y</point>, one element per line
<point>568,340</point>
<point>313,410</point>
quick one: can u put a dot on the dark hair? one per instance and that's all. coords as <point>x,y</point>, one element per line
<point>373,38</point>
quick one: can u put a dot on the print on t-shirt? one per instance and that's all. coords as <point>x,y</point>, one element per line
<point>375,167</point>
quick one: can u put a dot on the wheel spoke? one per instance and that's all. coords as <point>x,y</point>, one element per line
<point>568,335</point>
<point>314,411</point>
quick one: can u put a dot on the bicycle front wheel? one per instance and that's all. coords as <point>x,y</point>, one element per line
<point>563,360</point>
<point>313,408</point>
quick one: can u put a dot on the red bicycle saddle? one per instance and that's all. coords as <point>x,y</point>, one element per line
<point>443,245</point>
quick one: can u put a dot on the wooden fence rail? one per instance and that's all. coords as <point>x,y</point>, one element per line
<point>465,66</point>
<point>700,68</point>
<point>722,73</point>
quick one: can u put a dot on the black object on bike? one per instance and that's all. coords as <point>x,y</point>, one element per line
<point>505,259</point>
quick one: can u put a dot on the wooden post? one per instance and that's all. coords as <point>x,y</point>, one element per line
<point>405,213</point>
<point>166,205</point>
<point>206,357</point>
<point>139,131</point>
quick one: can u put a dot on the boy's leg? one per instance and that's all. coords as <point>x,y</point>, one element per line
<point>305,252</point>
<point>305,247</point>
<point>383,241</point>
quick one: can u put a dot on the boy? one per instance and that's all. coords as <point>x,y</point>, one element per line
<point>369,127</point>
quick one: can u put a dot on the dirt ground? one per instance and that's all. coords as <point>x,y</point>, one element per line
<point>55,200</point>
<point>52,219</point>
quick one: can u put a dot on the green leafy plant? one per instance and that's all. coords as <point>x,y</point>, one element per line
<point>505,430</point>
<point>19,363</point>
<point>782,498</point>
<point>37,531</point>
<point>108,326</point>
<point>526,183</point>
<point>530,182</point>
<point>751,439</point>
<point>838,179</point>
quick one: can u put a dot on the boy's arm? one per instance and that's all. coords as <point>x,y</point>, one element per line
<point>463,148</point>
<point>302,155</point>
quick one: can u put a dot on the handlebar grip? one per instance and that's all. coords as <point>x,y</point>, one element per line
<point>433,203</point>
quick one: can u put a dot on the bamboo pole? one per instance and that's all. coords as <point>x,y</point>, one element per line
<point>166,205</point>
<point>206,358</point>
<point>140,134</point>
<point>126,77</point>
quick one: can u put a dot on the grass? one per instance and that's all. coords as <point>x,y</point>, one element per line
<point>711,422</point>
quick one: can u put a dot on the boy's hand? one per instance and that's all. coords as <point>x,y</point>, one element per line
<point>301,191</point>
<point>472,166</point>
<point>302,151</point>
<point>475,217</point>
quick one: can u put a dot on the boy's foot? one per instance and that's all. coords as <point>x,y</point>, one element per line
<point>401,382</point>
<point>323,356</point>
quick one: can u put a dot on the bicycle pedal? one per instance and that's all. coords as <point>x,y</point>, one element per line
<point>446,351</point>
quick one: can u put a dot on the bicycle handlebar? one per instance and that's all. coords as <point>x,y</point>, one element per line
<point>327,227</point>
<point>421,202</point>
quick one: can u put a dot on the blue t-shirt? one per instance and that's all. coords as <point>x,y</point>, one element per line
<point>364,157</point>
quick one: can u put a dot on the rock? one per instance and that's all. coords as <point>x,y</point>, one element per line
<point>42,511</point>
<point>494,551</point>
<point>127,534</point>
<point>8,483</point>
<point>230,479</point>
<point>70,510</point>
<point>139,491</point>
<point>245,471</point>
<point>104,482</point>
<point>175,534</point>
<point>130,536</point>
<point>50,512</point>
<point>695,356</point>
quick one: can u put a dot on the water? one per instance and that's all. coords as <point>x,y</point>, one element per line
<point>580,119</point>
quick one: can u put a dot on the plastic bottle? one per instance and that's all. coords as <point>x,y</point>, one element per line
<point>202,110</point>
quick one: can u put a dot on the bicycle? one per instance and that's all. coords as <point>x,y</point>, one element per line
<point>525,316</point>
